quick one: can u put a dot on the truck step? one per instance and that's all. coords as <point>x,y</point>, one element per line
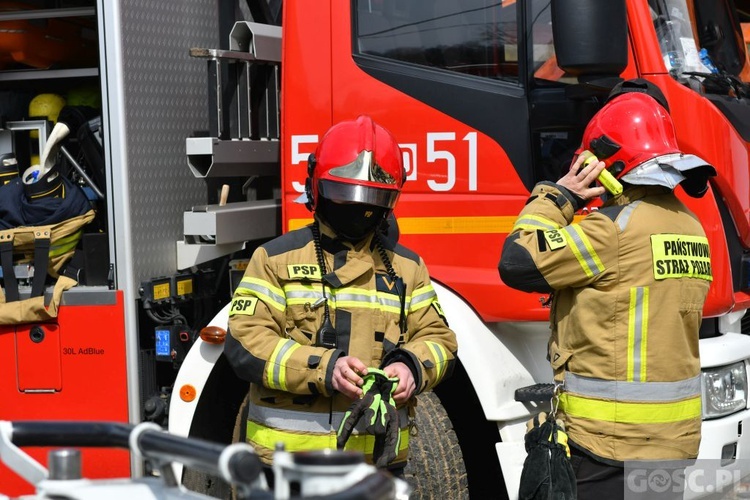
<point>536,392</point>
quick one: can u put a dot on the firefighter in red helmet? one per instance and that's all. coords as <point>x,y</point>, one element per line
<point>628,283</point>
<point>322,308</point>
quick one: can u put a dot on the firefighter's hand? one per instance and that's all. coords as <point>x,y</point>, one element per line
<point>347,376</point>
<point>406,385</point>
<point>578,180</point>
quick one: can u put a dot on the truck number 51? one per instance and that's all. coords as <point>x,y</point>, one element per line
<point>436,154</point>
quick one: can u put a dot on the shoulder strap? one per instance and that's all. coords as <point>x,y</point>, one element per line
<point>41,261</point>
<point>6,260</point>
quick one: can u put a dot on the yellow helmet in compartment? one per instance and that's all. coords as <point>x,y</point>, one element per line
<point>45,106</point>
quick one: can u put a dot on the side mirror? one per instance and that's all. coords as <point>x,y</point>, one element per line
<point>590,36</point>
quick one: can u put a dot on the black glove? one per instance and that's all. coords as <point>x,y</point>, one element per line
<point>379,412</point>
<point>547,472</point>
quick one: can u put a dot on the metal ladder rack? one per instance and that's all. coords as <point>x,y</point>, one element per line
<point>243,142</point>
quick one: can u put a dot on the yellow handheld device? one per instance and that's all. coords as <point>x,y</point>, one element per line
<point>605,178</point>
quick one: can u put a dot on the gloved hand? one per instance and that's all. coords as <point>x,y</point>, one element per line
<point>379,412</point>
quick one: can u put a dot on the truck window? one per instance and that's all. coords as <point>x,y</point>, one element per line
<point>684,27</point>
<point>674,29</point>
<point>473,37</point>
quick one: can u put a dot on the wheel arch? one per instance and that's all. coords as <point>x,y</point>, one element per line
<point>493,368</point>
<point>218,393</point>
<point>479,398</point>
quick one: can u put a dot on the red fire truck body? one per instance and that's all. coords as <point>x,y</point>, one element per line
<point>485,99</point>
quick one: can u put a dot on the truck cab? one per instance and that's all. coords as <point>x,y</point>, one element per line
<point>487,99</point>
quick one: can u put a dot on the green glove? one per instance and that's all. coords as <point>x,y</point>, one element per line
<point>380,415</point>
<point>386,449</point>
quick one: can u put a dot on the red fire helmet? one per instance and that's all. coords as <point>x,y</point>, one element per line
<point>629,131</point>
<point>356,161</point>
<point>634,136</point>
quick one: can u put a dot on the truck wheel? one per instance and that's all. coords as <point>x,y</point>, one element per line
<point>436,466</point>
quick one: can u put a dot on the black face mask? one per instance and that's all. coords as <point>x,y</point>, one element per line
<point>351,221</point>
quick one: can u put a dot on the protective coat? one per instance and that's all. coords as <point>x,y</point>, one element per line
<point>275,316</point>
<point>628,284</point>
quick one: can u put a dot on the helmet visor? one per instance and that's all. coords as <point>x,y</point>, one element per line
<point>363,168</point>
<point>357,193</point>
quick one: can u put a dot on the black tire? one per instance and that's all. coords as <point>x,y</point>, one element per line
<point>206,484</point>
<point>436,467</point>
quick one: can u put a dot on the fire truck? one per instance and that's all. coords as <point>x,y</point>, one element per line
<point>486,99</point>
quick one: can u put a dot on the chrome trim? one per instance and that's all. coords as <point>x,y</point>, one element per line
<point>363,168</point>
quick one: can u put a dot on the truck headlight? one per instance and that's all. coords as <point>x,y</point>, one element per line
<point>724,390</point>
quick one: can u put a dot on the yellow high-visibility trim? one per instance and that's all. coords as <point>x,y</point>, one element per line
<point>441,357</point>
<point>355,297</point>
<point>428,292</point>
<point>258,288</point>
<point>421,290</point>
<point>631,335</point>
<point>358,297</point>
<point>541,223</point>
<point>282,362</point>
<point>637,334</point>
<point>303,287</point>
<point>644,334</point>
<point>590,262</point>
<point>307,293</point>
<point>267,437</point>
<point>263,283</point>
<point>581,260</point>
<point>630,413</point>
<point>354,291</point>
<point>272,362</point>
<point>587,243</point>
<point>276,366</point>
<point>500,224</point>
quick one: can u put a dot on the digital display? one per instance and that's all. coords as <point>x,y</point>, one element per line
<point>163,343</point>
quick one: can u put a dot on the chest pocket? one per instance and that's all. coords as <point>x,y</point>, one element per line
<point>304,301</point>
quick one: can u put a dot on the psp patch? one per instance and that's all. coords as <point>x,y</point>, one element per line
<point>243,305</point>
<point>555,239</point>
<point>303,271</point>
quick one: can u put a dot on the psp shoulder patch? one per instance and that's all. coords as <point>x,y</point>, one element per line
<point>555,239</point>
<point>243,305</point>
